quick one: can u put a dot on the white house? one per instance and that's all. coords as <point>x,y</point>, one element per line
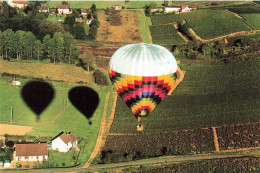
<point>63,9</point>
<point>64,141</point>
<point>31,152</point>
<point>185,8</point>
<point>18,4</point>
<point>170,9</point>
<point>117,7</point>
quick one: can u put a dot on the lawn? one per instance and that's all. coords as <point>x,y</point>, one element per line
<point>86,28</point>
<point>54,18</point>
<point>210,95</point>
<point>206,23</point>
<point>165,35</point>
<point>60,159</point>
<point>252,19</point>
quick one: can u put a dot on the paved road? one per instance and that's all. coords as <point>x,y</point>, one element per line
<point>133,163</point>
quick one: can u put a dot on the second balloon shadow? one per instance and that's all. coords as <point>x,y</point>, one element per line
<point>85,99</point>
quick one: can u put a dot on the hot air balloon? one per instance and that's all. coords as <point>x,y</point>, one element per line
<point>142,75</point>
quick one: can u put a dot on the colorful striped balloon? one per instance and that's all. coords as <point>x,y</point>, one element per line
<point>142,74</point>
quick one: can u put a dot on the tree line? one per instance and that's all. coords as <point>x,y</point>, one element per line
<point>22,45</point>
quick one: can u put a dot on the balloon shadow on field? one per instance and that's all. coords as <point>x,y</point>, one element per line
<point>37,95</point>
<point>85,100</point>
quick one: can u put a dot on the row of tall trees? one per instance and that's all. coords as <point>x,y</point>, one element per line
<point>22,45</point>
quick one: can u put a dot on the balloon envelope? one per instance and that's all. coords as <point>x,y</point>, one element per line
<point>142,74</point>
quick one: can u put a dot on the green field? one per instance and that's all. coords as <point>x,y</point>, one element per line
<point>206,23</point>
<point>165,35</point>
<point>252,19</point>
<point>54,118</point>
<point>210,95</point>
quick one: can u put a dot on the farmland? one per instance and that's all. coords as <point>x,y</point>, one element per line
<point>165,35</point>
<point>244,164</point>
<point>216,94</point>
<point>252,19</point>
<point>212,94</point>
<point>60,114</point>
<point>206,23</point>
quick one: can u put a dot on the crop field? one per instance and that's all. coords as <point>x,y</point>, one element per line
<point>252,19</point>
<point>239,136</point>
<point>165,35</point>
<point>232,39</point>
<point>206,23</point>
<point>244,164</point>
<point>250,7</point>
<point>211,95</point>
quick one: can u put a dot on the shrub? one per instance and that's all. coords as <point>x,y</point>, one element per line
<point>100,78</point>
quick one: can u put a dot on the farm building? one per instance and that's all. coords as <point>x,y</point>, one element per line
<point>117,7</point>
<point>185,8</point>
<point>170,9</point>
<point>63,9</point>
<point>31,152</point>
<point>18,4</point>
<point>84,12</point>
<point>43,9</point>
<point>64,141</point>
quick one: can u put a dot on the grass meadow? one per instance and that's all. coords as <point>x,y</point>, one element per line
<point>210,95</point>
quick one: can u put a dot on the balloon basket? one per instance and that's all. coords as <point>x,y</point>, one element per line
<point>140,128</point>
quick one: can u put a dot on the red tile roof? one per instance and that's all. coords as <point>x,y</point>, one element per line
<point>19,2</point>
<point>84,10</point>
<point>31,149</point>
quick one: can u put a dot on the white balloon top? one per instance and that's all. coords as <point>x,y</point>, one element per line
<point>143,59</point>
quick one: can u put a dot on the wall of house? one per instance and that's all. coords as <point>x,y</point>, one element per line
<point>58,144</point>
<point>170,10</point>
<point>31,158</point>
<point>64,11</point>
